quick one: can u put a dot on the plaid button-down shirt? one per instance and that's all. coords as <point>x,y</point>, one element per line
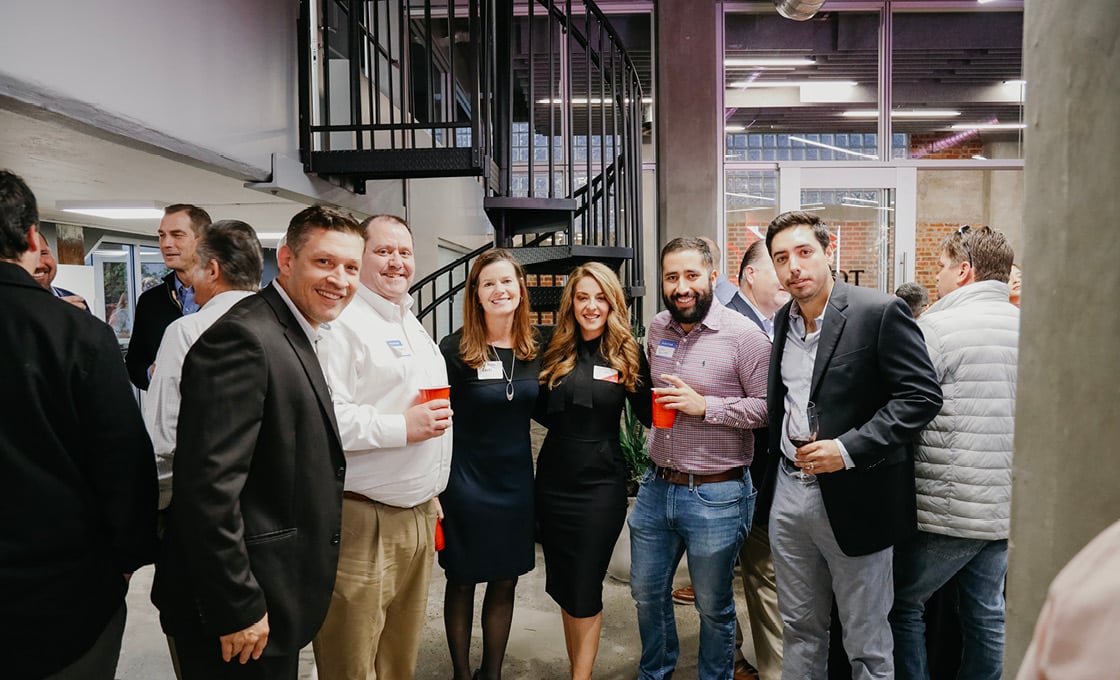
<point>725,358</point>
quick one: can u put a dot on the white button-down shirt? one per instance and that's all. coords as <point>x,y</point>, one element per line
<point>377,358</point>
<point>161,403</point>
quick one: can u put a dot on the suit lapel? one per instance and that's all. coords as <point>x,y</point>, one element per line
<point>833,325</point>
<point>299,343</point>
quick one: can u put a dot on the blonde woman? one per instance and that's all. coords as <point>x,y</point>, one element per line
<point>492,366</point>
<point>591,367</point>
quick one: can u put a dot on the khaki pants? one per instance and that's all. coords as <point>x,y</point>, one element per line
<point>762,604</point>
<point>378,608</point>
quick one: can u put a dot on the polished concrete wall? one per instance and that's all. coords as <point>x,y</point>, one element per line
<point>1067,472</point>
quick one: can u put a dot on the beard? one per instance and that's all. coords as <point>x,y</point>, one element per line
<point>698,311</point>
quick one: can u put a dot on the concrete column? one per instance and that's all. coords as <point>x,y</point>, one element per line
<point>689,117</point>
<point>1067,472</point>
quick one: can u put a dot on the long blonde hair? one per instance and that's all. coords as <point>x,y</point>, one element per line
<point>618,346</point>
<point>473,347</point>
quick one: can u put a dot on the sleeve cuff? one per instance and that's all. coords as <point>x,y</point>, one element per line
<point>848,463</point>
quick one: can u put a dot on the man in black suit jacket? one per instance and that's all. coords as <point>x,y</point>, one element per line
<point>248,562</point>
<point>77,476</point>
<point>858,355</point>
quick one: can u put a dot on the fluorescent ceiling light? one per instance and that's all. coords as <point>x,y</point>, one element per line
<point>271,235</point>
<point>1015,82</point>
<point>794,83</point>
<point>114,210</point>
<point>903,113</point>
<point>584,100</point>
<point>988,126</point>
<point>754,196</point>
<point>867,201</point>
<point>833,148</point>
<point>734,128</point>
<point>763,61</point>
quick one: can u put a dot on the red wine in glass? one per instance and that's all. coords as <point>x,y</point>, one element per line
<point>802,431</point>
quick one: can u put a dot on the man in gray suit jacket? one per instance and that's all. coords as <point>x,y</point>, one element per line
<point>248,562</point>
<point>858,355</point>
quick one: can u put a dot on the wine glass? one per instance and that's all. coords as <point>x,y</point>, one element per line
<point>801,430</point>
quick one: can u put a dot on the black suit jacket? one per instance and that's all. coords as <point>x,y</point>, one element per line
<point>155,310</point>
<point>256,511</point>
<point>77,478</point>
<point>740,305</point>
<point>875,389</point>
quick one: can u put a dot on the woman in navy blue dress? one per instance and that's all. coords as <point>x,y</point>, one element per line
<point>492,367</point>
<point>591,367</point>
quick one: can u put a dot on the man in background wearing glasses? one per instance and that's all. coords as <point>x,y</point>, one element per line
<point>963,463</point>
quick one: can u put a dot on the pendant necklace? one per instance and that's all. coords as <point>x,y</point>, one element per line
<point>508,376</point>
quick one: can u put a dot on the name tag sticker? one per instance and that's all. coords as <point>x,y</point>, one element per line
<point>666,348</point>
<point>491,370</point>
<point>398,348</point>
<point>606,373</point>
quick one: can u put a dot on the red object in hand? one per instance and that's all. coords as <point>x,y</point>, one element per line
<point>439,535</point>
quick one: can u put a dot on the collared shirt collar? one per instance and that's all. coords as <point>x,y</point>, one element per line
<point>387,308</point>
<point>767,322</point>
<point>797,322</point>
<point>311,332</point>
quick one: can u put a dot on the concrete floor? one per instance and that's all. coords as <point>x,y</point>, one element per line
<point>536,647</point>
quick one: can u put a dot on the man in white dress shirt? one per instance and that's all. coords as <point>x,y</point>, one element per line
<point>227,270</point>
<point>398,457</point>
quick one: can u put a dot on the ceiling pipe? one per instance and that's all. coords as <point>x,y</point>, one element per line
<point>798,10</point>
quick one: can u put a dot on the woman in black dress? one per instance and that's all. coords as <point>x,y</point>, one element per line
<point>592,365</point>
<point>492,366</point>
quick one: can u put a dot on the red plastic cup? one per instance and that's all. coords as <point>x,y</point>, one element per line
<point>429,393</point>
<point>439,535</point>
<point>663,417</point>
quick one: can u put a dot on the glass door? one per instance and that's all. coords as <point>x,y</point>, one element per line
<point>871,213</point>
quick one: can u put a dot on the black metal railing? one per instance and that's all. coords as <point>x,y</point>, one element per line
<point>397,89</point>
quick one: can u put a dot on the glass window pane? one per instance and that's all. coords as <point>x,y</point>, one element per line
<point>954,71</point>
<point>750,203</point>
<point>788,84</point>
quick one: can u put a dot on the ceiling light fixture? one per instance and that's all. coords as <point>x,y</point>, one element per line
<point>114,210</point>
<point>832,148</point>
<point>734,128</point>
<point>988,126</point>
<point>754,196</point>
<point>903,113</point>
<point>794,83</point>
<point>746,62</point>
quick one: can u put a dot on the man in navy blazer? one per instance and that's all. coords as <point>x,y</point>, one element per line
<point>858,355</point>
<point>77,475</point>
<point>248,562</point>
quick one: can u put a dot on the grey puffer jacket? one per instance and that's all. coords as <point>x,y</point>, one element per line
<point>963,464</point>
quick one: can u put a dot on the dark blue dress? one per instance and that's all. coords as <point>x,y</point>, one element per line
<point>488,521</point>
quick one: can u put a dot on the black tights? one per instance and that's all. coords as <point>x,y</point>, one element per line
<point>458,619</point>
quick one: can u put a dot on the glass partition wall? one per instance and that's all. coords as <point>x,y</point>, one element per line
<point>803,129</point>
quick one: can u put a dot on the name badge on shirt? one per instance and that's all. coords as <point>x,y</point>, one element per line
<point>606,373</point>
<point>398,348</point>
<point>666,348</point>
<point>491,370</point>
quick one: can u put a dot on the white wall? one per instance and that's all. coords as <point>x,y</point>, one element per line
<point>211,79</point>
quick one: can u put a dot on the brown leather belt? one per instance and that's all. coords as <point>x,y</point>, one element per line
<point>685,479</point>
<point>355,496</point>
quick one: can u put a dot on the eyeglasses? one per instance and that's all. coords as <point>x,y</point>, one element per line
<point>961,231</point>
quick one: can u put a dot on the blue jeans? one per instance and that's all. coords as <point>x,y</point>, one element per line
<point>925,563</point>
<point>709,522</point>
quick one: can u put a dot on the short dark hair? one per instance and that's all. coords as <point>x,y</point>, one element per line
<point>987,249</point>
<point>319,217</point>
<point>19,211</point>
<point>797,218</point>
<point>199,217</point>
<point>690,243</point>
<point>389,218</point>
<point>915,295</point>
<point>237,250</point>
<point>755,252</point>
